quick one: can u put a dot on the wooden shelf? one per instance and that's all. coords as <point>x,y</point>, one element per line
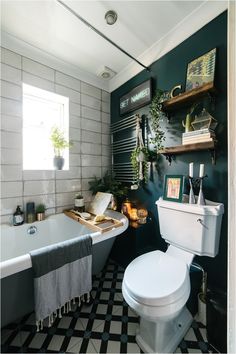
<point>188,97</point>
<point>175,150</point>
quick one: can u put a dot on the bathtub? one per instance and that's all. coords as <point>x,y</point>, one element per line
<point>16,269</point>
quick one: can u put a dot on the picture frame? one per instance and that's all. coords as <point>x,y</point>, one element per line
<point>201,71</point>
<point>173,188</point>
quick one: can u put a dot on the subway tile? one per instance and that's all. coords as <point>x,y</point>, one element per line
<point>72,185</point>
<point>39,187</point>
<point>88,197</point>
<point>65,199</point>
<point>106,96</point>
<point>90,172</point>
<point>34,175</point>
<point>67,81</point>
<point>37,82</point>
<point>11,156</point>
<point>90,113</point>
<point>11,123</point>
<point>106,150</point>
<point>106,107</point>
<point>11,189</point>
<point>74,134</point>
<point>85,183</point>
<point>50,211</point>
<point>90,160</point>
<point>11,74</point>
<point>93,149</point>
<point>105,128</point>
<point>73,95</point>
<point>106,161</point>
<point>106,139</point>
<point>75,148</point>
<point>10,58</point>
<point>11,173</point>
<point>90,101</point>
<point>35,68</point>
<point>74,109</point>
<point>49,200</point>
<point>8,205</point>
<point>91,125</point>
<point>10,90</point>
<point>73,173</point>
<point>11,140</point>
<point>6,219</point>
<point>90,90</point>
<point>74,122</point>
<point>106,118</point>
<point>75,160</point>
<point>62,208</point>
<point>91,137</point>
<point>11,107</point>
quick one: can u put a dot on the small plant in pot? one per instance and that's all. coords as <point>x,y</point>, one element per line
<point>59,144</point>
<point>40,212</point>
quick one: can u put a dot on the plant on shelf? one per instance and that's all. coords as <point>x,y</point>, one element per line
<point>109,184</point>
<point>40,212</point>
<point>59,144</point>
<point>157,114</point>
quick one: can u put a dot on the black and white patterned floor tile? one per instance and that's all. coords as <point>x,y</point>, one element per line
<point>107,325</point>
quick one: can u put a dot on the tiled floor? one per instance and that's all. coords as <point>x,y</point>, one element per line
<point>107,325</point>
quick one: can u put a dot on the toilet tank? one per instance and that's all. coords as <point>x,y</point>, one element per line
<point>191,227</point>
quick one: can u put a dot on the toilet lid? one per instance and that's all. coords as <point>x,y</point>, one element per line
<point>156,278</point>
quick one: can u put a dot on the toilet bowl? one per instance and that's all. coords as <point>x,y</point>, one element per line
<point>156,285</point>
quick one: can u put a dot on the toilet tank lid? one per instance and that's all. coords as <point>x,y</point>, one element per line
<point>211,208</point>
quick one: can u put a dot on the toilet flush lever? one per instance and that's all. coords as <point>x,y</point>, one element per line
<point>201,222</point>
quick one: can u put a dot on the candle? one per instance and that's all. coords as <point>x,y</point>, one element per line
<point>191,169</point>
<point>201,171</point>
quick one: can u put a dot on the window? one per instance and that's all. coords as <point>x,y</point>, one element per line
<point>42,110</point>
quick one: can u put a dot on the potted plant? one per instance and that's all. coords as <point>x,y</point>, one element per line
<point>59,144</point>
<point>109,184</point>
<point>139,161</point>
<point>40,212</point>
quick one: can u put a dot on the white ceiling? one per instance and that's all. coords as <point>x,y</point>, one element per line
<point>50,27</point>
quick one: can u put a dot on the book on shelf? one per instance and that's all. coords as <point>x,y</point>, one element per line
<point>196,140</point>
<point>199,132</point>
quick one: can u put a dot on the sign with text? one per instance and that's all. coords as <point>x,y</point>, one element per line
<point>138,97</point>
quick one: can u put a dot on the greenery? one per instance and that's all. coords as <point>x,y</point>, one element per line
<point>40,208</point>
<point>140,154</point>
<point>108,184</point>
<point>157,114</point>
<point>58,141</point>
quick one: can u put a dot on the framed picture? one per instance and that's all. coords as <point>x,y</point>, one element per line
<point>201,71</point>
<point>173,188</point>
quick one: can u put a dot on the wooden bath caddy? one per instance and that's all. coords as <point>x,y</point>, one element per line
<point>101,226</point>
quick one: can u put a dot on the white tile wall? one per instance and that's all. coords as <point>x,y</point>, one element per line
<point>89,129</point>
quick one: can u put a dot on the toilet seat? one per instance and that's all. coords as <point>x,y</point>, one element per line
<point>156,279</point>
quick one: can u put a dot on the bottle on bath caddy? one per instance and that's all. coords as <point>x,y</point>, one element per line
<point>79,203</point>
<point>18,217</point>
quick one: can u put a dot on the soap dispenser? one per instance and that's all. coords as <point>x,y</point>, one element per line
<point>18,217</point>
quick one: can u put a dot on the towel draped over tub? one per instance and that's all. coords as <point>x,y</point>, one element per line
<point>61,272</point>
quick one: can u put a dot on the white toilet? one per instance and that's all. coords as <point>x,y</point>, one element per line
<point>156,285</point>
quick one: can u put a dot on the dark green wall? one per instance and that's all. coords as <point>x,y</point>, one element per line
<point>167,72</point>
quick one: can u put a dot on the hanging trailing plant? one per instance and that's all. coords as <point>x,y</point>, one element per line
<point>157,114</point>
<point>139,161</point>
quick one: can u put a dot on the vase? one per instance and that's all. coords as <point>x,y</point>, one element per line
<point>40,216</point>
<point>58,162</point>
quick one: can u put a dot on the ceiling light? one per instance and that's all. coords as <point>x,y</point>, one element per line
<point>105,73</point>
<point>111,17</point>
